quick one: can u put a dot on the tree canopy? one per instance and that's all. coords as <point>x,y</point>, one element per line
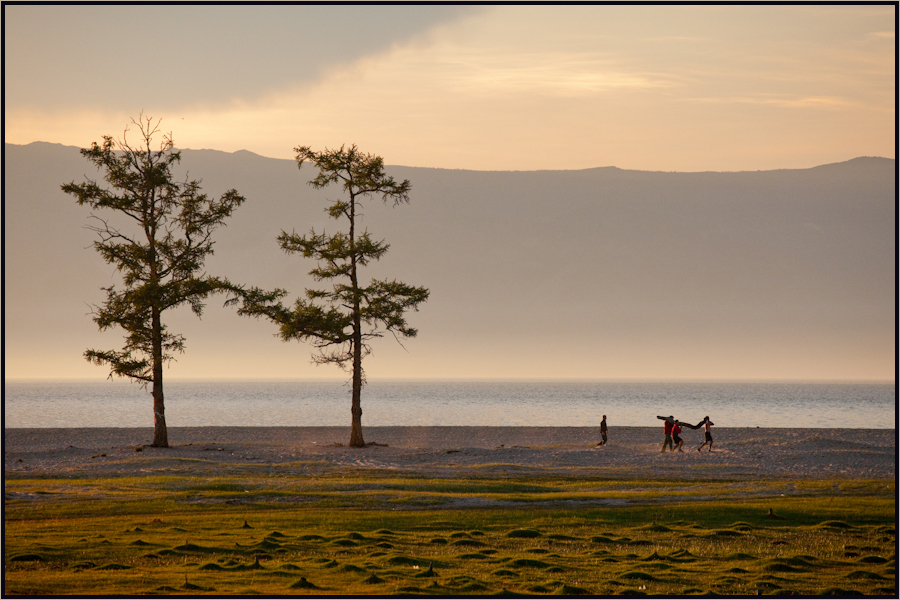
<point>341,320</point>
<point>159,251</point>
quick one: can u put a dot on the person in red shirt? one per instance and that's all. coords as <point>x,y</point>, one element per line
<point>676,437</point>
<point>667,429</point>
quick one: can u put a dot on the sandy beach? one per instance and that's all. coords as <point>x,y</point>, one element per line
<point>738,453</point>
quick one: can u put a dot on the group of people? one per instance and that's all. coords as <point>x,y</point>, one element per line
<point>672,429</point>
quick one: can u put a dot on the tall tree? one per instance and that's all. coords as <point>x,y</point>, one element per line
<point>341,321</point>
<point>160,256</point>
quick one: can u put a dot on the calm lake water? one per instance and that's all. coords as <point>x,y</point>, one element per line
<point>501,403</point>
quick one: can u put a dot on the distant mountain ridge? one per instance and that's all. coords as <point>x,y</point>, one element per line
<point>250,153</point>
<point>600,272</point>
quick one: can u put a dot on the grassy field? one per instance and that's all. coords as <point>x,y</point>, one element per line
<point>359,533</point>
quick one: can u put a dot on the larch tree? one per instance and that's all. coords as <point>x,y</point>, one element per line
<point>342,320</point>
<point>160,253</point>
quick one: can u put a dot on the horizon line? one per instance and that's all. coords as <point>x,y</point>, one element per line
<point>243,150</point>
<point>466,380</point>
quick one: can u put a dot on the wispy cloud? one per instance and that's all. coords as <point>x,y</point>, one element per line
<point>536,73</point>
<point>824,102</point>
<point>678,38</point>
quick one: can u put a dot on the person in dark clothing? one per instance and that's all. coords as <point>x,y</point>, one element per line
<point>603,431</point>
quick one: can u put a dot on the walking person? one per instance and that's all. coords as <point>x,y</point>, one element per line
<point>706,428</point>
<point>667,429</point>
<point>676,437</point>
<point>603,431</point>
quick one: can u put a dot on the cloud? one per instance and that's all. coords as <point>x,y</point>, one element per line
<point>171,57</point>
<point>485,88</point>
<point>554,73</point>
<point>824,102</point>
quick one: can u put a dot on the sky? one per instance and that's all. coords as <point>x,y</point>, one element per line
<point>484,88</point>
<point>667,88</point>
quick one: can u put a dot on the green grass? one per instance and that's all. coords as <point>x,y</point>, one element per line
<point>362,533</point>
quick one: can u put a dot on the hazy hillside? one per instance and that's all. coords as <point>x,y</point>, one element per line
<point>594,273</point>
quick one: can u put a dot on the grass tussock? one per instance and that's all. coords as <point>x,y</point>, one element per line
<point>347,537</point>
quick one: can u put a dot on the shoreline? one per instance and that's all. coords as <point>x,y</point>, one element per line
<point>18,439</point>
<point>744,454</point>
<point>429,434</point>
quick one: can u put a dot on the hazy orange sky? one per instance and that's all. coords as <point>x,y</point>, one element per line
<point>682,88</point>
<point>804,291</point>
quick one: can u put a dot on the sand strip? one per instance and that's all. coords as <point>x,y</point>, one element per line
<point>738,453</point>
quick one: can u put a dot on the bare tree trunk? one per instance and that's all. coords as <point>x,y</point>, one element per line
<point>356,436</point>
<point>160,434</point>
